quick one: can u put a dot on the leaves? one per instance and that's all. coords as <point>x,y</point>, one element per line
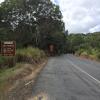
<point>32,22</point>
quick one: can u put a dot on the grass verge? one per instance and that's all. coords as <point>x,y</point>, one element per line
<point>14,81</point>
<point>93,54</point>
<point>9,76</point>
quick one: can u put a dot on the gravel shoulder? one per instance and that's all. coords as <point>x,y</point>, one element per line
<point>20,85</point>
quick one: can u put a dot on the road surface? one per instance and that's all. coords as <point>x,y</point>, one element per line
<point>69,78</point>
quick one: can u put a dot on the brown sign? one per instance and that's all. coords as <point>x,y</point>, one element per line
<point>8,48</point>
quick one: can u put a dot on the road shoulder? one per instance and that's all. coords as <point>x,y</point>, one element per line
<point>21,88</point>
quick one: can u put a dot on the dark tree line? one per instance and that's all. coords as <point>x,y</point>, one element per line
<point>32,22</point>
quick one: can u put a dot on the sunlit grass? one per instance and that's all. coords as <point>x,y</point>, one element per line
<point>90,53</point>
<point>35,53</point>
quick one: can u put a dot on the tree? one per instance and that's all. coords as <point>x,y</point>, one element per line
<point>84,41</point>
<point>33,22</point>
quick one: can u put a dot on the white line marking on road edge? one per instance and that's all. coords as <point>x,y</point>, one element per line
<point>84,71</point>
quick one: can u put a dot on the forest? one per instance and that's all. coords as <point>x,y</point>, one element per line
<point>38,24</point>
<point>87,45</point>
<point>35,23</point>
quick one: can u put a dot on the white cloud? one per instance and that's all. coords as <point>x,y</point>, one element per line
<point>94,29</point>
<point>1,1</point>
<point>80,15</point>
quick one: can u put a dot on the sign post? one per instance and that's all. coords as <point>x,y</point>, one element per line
<point>8,48</point>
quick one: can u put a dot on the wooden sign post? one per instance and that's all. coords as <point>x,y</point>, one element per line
<point>8,48</point>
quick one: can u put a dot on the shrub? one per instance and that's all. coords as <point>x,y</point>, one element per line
<point>89,53</point>
<point>2,59</point>
<point>84,53</point>
<point>34,53</point>
<point>98,56</point>
<point>29,55</point>
<point>7,61</point>
<point>79,51</point>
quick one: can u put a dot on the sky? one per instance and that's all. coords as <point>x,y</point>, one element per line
<point>80,16</point>
<point>1,1</point>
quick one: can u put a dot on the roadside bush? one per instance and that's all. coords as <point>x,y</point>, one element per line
<point>98,56</point>
<point>7,62</point>
<point>2,59</point>
<point>79,52</point>
<point>95,54</point>
<point>27,55</point>
<point>30,55</point>
<point>89,53</point>
<point>85,54</point>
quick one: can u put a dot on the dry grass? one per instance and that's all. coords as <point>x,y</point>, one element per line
<point>11,77</point>
<point>24,74</point>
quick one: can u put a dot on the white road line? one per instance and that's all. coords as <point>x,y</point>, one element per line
<point>84,71</point>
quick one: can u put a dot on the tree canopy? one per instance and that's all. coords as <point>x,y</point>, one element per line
<point>83,41</point>
<point>32,22</point>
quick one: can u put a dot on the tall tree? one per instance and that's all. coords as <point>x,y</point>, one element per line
<point>32,21</point>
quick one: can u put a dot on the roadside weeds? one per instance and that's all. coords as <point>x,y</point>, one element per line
<point>19,86</point>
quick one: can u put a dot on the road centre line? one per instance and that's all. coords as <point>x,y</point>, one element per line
<point>74,65</point>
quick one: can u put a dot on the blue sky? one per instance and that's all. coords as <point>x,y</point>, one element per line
<point>80,16</point>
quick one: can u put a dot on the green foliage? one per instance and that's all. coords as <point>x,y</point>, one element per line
<point>6,74</point>
<point>79,52</point>
<point>30,22</point>
<point>91,53</point>
<point>7,61</point>
<point>2,59</point>
<point>75,41</point>
<point>85,44</point>
<point>35,53</point>
<point>84,53</point>
<point>96,53</point>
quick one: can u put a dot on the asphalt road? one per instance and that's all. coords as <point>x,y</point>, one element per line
<point>69,78</point>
